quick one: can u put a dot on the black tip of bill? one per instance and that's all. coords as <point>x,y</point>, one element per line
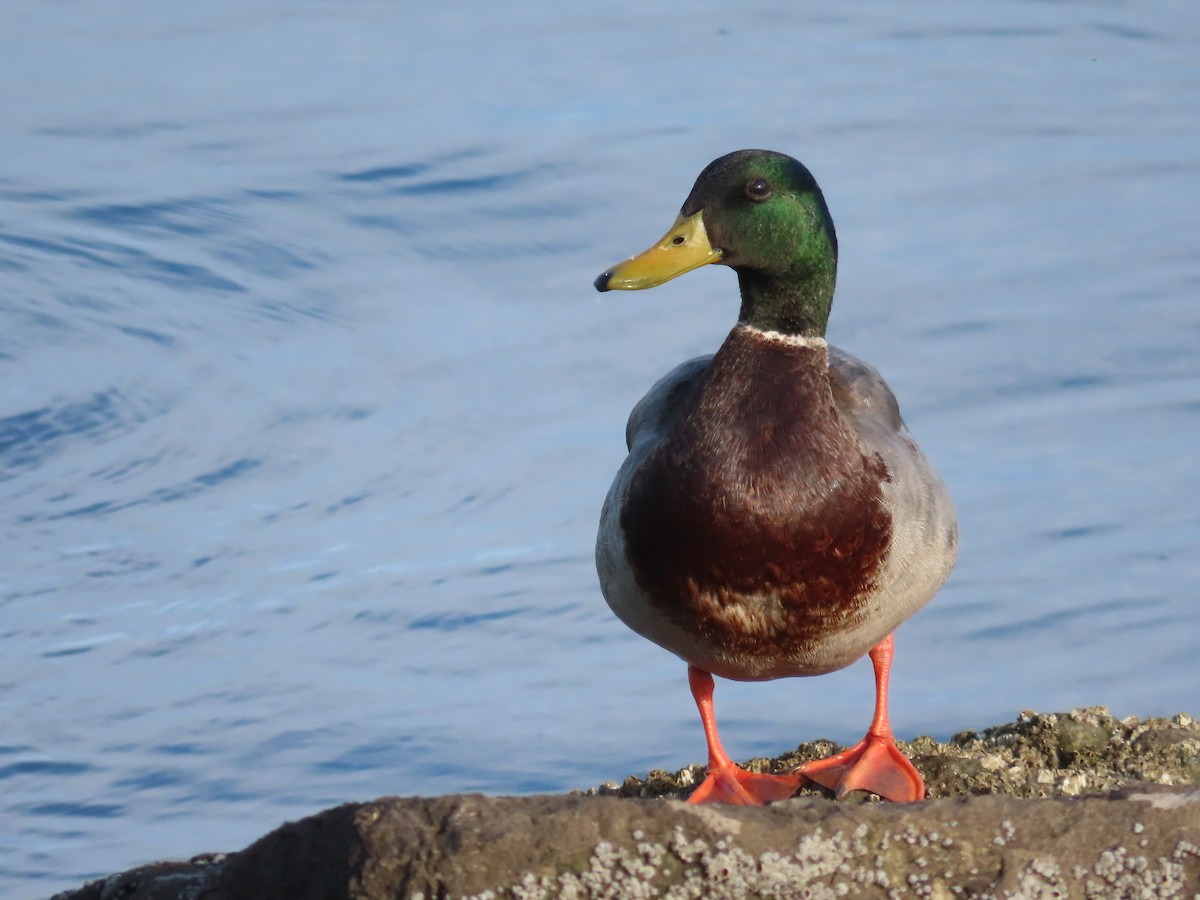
<point>601,282</point>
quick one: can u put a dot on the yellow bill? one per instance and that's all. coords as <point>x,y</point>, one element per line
<point>683,248</point>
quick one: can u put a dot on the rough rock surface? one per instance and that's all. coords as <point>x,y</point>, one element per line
<point>1015,814</point>
<point>1039,755</point>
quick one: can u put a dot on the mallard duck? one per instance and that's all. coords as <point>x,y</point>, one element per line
<point>774,517</point>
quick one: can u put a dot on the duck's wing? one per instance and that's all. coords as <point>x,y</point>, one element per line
<point>860,392</point>
<point>649,422</point>
<point>655,412</point>
<point>925,529</point>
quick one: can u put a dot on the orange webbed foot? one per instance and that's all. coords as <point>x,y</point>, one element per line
<point>733,784</point>
<point>874,764</point>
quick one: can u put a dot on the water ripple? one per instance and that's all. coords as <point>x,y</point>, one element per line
<point>42,768</point>
<point>179,217</point>
<point>30,438</point>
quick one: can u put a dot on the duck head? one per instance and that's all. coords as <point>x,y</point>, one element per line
<point>762,214</point>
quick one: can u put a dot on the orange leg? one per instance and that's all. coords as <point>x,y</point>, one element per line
<point>875,763</point>
<point>726,781</point>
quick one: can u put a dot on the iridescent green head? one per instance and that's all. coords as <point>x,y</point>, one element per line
<point>762,214</point>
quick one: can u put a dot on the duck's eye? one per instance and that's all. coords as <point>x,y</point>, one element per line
<point>758,189</point>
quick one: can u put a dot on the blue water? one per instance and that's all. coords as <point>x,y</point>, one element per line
<point>307,405</point>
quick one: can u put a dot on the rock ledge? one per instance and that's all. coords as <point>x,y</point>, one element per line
<point>1012,829</point>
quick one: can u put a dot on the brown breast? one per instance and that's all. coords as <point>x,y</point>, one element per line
<point>758,521</point>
